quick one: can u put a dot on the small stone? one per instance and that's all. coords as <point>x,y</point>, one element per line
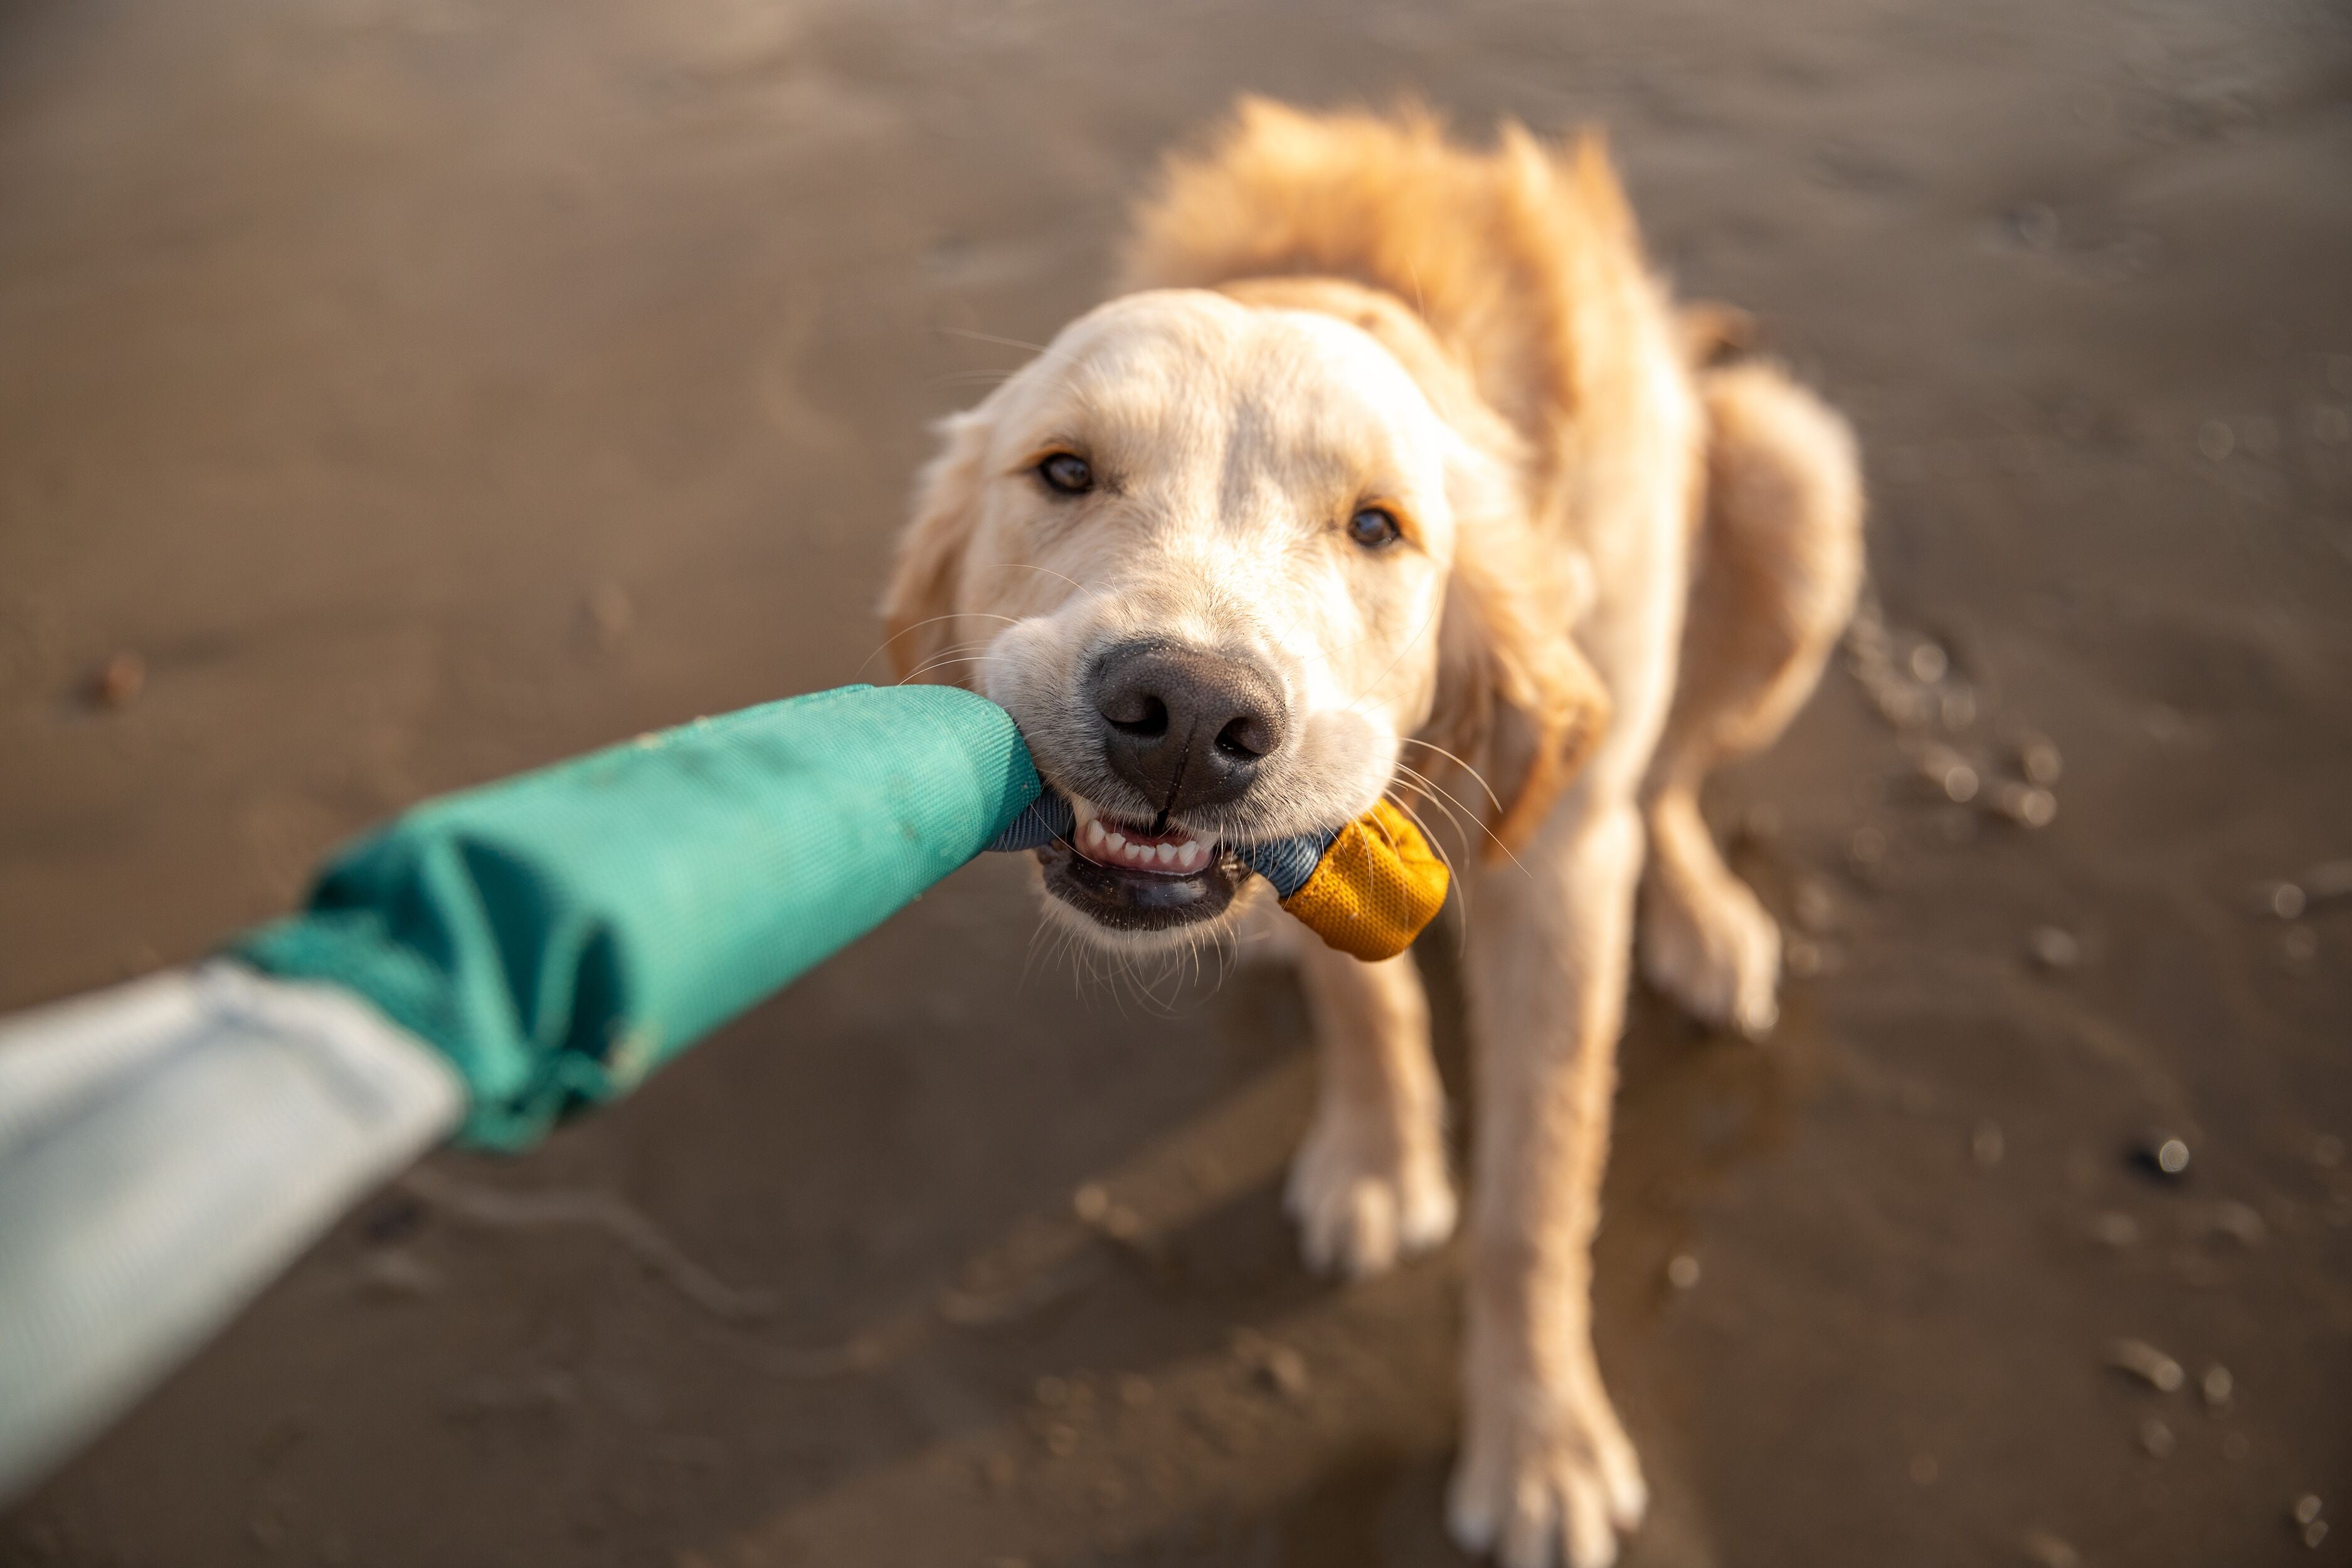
<point>1285,1372</point>
<point>2148,1363</point>
<point>1986,1145</point>
<point>2025,805</point>
<point>2284,900</point>
<point>2161,1154</point>
<point>2155,1438</point>
<point>1090,1202</point>
<point>1929,664</point>
<point>2307,1508</point>
<point>2054,947</point>
<point>1682,1271</point>
<point>2242,1222</point>
<point>120,680</point>
<point>2033,226</point>
<point>610,613</point>
<point>2315,1532</point>
<point>1949,772</point>
<point>398,1273</point>
<point>2048,1550</point>
<point>2116,1230</point>
<point>1801,955</point>
<point>2217,1386</point>
<point>2328,880</point>
<point>2039,761</point>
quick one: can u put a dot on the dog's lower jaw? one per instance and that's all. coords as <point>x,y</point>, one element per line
<point>1139,912</point>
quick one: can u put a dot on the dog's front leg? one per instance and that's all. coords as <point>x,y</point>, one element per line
<point>1546,1473</point>
<point>1369,1187</point>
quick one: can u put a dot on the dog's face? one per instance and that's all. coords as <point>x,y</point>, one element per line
<point>1200,550</point>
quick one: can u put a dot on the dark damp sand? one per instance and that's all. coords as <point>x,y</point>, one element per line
<point>426,391</point>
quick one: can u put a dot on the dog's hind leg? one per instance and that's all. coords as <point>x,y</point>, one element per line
<point>1369,1187</point>
<point>1774,575</point>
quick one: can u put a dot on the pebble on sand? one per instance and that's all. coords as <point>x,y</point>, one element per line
<point>2217,1386</point>
<point>118,681</point>
<point>2025,805</point>
<point>2116,1230</point>
<point>2149,1365</point>
<point>2284,900</point>
<point>2160,1153</point>
<point>2048,1550</point>
<point>1682,1271</point>
<point>1272,1364</point>
<point>2155,1438</point>
<point>2053,948</point>
<point>2307,1508</point>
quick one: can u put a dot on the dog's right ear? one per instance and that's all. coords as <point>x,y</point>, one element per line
<point>919,607</point>
<point>1517,699</point>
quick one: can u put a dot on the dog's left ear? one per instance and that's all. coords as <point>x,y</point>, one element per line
<point>919,607</point>
<point>1516,696</point>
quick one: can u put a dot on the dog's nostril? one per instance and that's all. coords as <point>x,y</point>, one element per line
<point>1138,713</point>
<point>1246,739</point>
<point>1186,727</point>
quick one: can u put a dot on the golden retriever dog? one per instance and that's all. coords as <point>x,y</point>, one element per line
<point>1396,472</point>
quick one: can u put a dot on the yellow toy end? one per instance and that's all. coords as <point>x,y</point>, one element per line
<point>1375,888</point>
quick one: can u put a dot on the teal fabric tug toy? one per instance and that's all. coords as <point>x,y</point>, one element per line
<point>558,936</point>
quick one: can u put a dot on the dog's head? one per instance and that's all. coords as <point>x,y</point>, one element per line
<point>1223,557</point>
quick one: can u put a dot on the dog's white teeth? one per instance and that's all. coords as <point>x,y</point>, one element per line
<point>1167,854</point>
<point>1092,836</point>
<point>1189,858</point>
<point>1115,842</point>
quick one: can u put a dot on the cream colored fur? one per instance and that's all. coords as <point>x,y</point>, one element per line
<point>1622,570</point>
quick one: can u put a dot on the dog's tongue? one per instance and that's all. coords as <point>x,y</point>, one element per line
<point>1367,889</point>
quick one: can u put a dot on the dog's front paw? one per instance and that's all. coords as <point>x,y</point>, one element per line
<point>1367,1195</point>
<point>1718,953</point>
<point>1547,1477</point>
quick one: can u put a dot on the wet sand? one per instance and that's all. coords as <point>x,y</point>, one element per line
<point>423,391</point>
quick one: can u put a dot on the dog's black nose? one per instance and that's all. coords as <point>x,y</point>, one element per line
<point>1184,726</point>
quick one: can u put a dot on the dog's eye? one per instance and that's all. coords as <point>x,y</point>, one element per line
<point>1374,529</point>
<point>1066,473</point>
